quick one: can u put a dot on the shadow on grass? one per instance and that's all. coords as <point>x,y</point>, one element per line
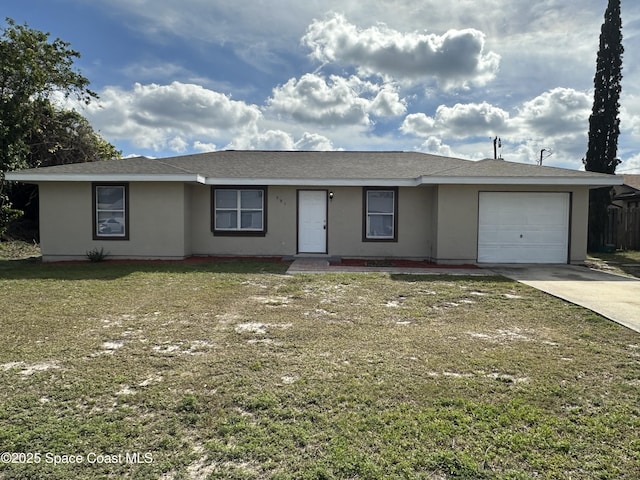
<point>33,268</point>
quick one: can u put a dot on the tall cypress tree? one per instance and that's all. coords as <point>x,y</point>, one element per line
<point>604,122</point>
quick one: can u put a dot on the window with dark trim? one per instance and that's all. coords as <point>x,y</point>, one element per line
<point>239,211</point>
<point>380,208</point>
<point>110,211</point>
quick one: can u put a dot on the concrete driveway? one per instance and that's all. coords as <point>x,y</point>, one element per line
<point>612,296</point>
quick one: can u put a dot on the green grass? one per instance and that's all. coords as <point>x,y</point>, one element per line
<point>235,370</point>
<point>620,262</point>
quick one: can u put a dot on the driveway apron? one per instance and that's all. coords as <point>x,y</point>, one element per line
<point>613,296</point>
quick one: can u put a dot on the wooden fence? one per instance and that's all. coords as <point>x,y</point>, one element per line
<point>623,228</point>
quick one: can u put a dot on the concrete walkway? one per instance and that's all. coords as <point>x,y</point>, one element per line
<point>613,296</point>
<point>322,265</point>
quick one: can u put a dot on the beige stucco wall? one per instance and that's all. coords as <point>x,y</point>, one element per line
<point>344,225</point>
<point>281,235</point>
<point>415,233</point>
<point>188,213</point>
<point>156,222</point>
<point>457,213</point>
<point>173,220</point>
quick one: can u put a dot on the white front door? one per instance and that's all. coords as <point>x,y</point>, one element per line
<point>523,227</point>
<point>312,221</point>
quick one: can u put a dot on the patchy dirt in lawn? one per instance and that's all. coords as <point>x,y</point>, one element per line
<point>502,377</point>
<point>259,328</point>
<point>28,369</point>
<point>271,301</point>
<point>111,347</point>
<point>515,334</point>
<point>194,347</point>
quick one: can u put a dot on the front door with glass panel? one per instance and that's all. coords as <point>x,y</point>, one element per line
<point>312,221</point>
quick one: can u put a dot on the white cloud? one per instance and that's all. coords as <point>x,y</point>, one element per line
<point>268,140</point>
<point>190,105</point>
<point>388,103</point>
<point>630,115</point>
<point>312,99</point>
<point>314,142</point>
<point>183,117</point>
<point>435,146</point>
<point>459,121</point>
<point>559,112</point>
<point>338,101</point>
<point>630,165</point>
<point>455,58</point>
<point>169,116</point>
<point>556,114</point>
<point>556,120</point>
<point>280,140</point>
<point>204,147</point>
<point>472,119</point>
<point>178,144</point>
<point>418,124</point>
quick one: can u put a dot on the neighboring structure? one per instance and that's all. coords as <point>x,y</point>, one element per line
<point>339,204</point>
<point>627,195</point>
<point>623,226</point>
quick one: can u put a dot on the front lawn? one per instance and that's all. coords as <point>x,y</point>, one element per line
<point>237,371</point>
<point>625,262</point>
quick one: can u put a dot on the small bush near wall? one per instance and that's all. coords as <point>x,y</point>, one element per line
<point>96,255</point>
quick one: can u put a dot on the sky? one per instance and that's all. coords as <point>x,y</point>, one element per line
<point>177,77</point>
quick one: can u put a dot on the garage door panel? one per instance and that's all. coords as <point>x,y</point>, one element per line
<point>550,219</point>
<point>518,227</point>
<point>521,237</point>
<point>521,255</point>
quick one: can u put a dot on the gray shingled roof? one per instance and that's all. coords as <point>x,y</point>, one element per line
<point>127,166</point>
<point>272,167</point>
<point>633,181</point>
<point>315,165</point>
<point>502,168</point>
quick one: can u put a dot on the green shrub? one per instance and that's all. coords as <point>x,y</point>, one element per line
<point>96,255</point>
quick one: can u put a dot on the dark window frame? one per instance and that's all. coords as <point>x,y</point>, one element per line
<point>94,202</point>
<point>239,232</point>
<point>365,214</point>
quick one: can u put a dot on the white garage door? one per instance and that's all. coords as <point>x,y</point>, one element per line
<point>523,227</point>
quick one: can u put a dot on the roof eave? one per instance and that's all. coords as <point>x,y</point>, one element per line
<point>315,182</point>
<point>413,182</point>
<point>107,177</point>
<point>523,180</point>
<point>593,182</point>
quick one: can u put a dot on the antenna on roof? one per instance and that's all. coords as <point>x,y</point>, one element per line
<point>549,153</point>
<point>497,143</point>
